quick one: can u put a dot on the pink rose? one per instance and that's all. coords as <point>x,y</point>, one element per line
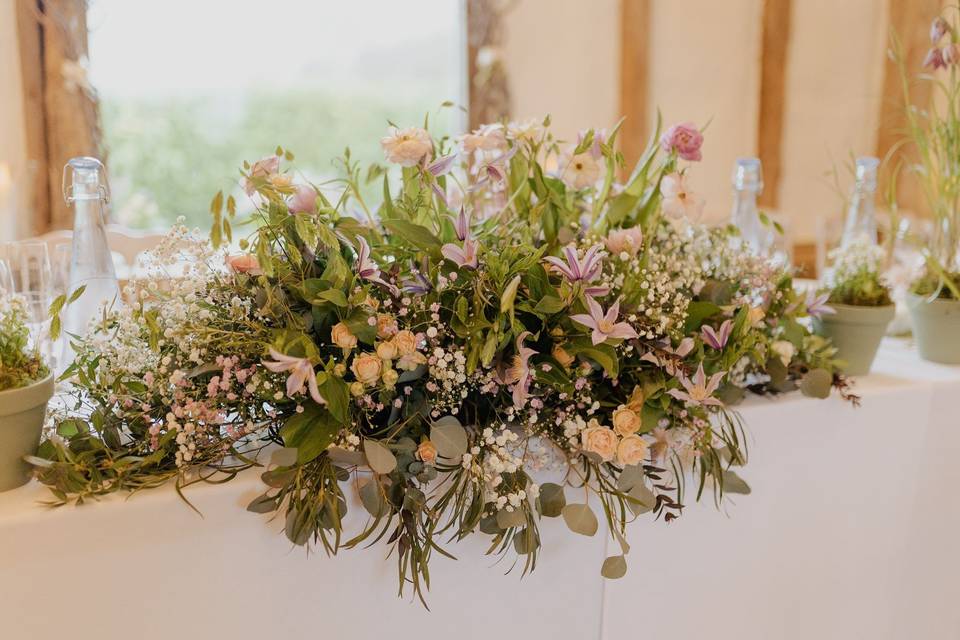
<point>685,139</point>
<point>262,168</point>
<point>304,200</point>
<point>245,263</point>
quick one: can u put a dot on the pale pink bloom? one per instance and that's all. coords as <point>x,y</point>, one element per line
<point>575,268</point>
<point>934,59</point>
<point>262,168</point>
<point>699,390</point>
<point>520,374</point>
<point>678,200</point>
<point>717,338</point>
<point>489,137</point>
<point>529,130</point>
<point>938,29</point>
<point>625,240</point>
<point>817,304</point>
<point>685,139</point>
<point>441,166</point>
<point>406,147</point>
<point>465,257</point>
<point>304,200</point>
<point>301,372</point>
<point>244,263</point>
<point>604,325</point>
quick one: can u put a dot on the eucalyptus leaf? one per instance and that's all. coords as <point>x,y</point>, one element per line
<point>450,438</point>
<point>816,383</point>
<point>580,519</point>
<point>507,519</point>
<point>642,499</point>
<point>379,457</point>
<point>552,499</point>
<point>614,567</point>
<point>285,457</point>
<point>732,483</point>
<point>371,496</point>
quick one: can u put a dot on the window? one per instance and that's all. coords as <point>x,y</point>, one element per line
<point>191,89</point>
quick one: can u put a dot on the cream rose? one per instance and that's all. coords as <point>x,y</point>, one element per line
<point>599,440</point>
<point>387,350</point>
<point>755,316</point>
<point>390,377</point>
<point>342,337</point>
<point>386,325</point>
<point>411,361</point>
<point>427,452</point>
<point>632,450</point>
<point>406,342</point>
<point>626,421</point>
<point>785,350</point>
<point>367,368</point>
<point>356,389</point>
<point>406,147</point>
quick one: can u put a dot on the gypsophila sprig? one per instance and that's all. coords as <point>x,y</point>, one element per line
<point>20,364</point>
<point>854,276</point>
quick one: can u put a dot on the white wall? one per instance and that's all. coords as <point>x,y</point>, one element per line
<point>13,151</point>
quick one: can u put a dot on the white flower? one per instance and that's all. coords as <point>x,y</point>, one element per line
<point>785,350</point>
<point>406,147</point>
<point>678,200</point>
<point>529,130</point>
<point>582,170</point>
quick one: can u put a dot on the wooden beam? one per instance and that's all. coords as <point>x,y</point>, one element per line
<point>30,42</point>
<point>487,88</point>
<point>910,20</point>
<point>634,78</point>
<point>774,45</point>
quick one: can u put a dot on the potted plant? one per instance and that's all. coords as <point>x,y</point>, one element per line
<point>861,305</point>
<point>26,385</point>
<point>934,134</point>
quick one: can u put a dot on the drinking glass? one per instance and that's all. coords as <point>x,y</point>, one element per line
<point>6,278</point>
<point>35,277</point>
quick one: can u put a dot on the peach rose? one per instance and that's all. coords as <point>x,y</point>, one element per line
<point>386,325</point>
<point>560,355</point>
<point>755,316</point>
<point>387,351</point>
<point>427,452</point>
<point>625,421</point>
<point>406,342</point>
<point>406,147</point>
<point>367,368</point>
<point>599,440</point>
<point>342,337</point>
<point>632,450</point>
<point>245,263</point>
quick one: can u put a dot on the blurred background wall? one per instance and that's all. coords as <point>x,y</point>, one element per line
<point>801,83</point>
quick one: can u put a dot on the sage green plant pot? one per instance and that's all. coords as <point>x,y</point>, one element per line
<point>936,327</point>
<point>856,332</point>
<point>22,412</point>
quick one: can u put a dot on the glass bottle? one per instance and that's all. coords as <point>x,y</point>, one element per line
<point>91,264</point>
<point>861,222</point>
<point>747,185</point>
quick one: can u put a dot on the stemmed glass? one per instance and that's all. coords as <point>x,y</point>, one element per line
<point>32,279</point>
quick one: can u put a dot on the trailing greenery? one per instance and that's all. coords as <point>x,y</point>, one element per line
<point>20,365</point>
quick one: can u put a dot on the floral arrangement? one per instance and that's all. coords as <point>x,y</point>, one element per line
<point>20,365</point>
<point>854,276</point>
<point>935,135</point>
<point>511,334</point>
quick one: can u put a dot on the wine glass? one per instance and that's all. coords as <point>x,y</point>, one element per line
<point>6,278</point>
<point>36,277</point>
<point>60,265</point>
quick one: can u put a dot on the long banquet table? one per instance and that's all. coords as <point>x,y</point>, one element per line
<point>852,531</point>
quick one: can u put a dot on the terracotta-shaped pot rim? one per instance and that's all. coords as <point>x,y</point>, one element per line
<point>25,398</point>
<point>860,314</point>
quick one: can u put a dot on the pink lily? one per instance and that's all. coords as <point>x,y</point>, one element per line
<point>717,339</point>
<point>495,170</point>
<point>301,371</point>
<point>817,304</point>
<point>699,390</point>
<point>461,225</point>
<point>466,257</point>
<point>441,166</point>
<point>604,325</point>
<point>519,373</point>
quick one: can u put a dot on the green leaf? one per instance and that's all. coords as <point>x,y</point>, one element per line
<point>415,234</point>
<point>507,519</point>
<point>580,519</point>
<point>285,457</point>
<point>697,312</point>
<point>642,499</point>
<point>614,567</point>
<point>549,305</point>
<point>306,228</point>
<point>450,438</point>
<point>379,458</point>
<point>602,354</point>
<point>816,383</point>
<point>311,432</point>
<point>331,295</point>
<point>263,504</point>
<point>509,295</point>
<point>337,394</point>
<point>732,483</point>
<point>371,496</point>
<point>552,499</point>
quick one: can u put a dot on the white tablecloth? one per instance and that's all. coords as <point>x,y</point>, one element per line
<point>850,532</point>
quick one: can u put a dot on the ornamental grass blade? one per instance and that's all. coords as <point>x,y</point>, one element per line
<point>580,519</point>
<point>379,458</point>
